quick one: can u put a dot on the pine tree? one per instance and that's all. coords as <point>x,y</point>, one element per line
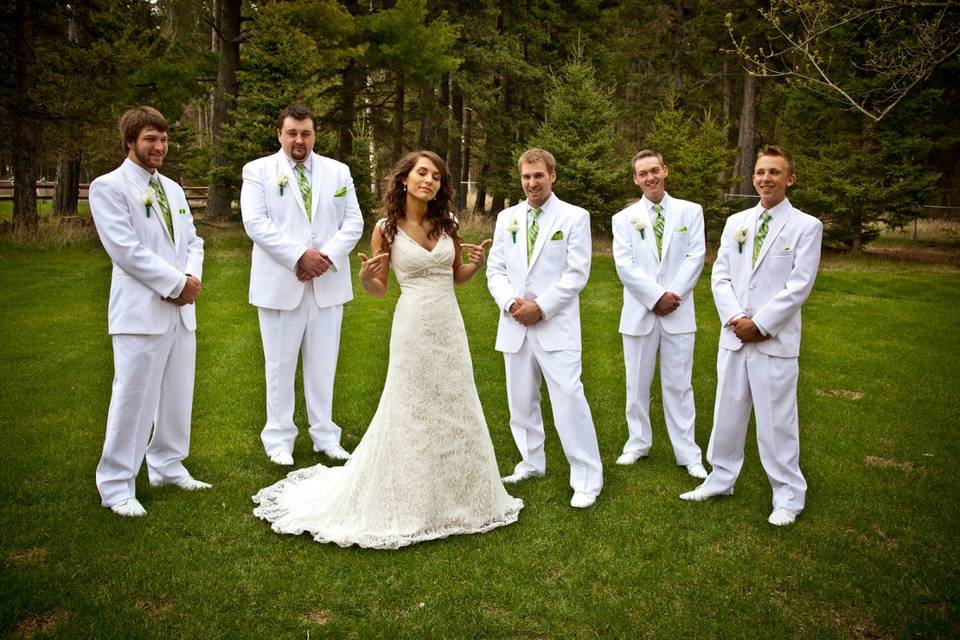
<point>578,131</point>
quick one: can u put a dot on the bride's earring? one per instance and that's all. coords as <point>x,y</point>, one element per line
<point>404,187</point>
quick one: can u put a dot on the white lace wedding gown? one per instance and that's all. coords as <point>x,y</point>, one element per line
<point>425,468</point>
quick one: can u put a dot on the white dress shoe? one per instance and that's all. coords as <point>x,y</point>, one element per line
<point>519,476</point>
<point>282,458</point>
<point>187,484</point>
<point>782,517</point>
<point>629,457</point>
<point>130,507</point>
<point>335,452</point>
<point>582,500</point>
<point>192,484</point>
<point>700,494</point>
<point>697,471</point>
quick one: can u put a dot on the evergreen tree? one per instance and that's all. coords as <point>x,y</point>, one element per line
<point>578,131</point>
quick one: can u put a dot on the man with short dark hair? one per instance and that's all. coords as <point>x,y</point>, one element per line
<point>764,272</point>
<point>658,250</point>
<point>539,263</point>
<point>145,225</point>
<point>301,211</point>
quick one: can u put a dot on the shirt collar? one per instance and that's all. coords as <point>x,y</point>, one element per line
<point>140,175</point>
<point>664,203</point>
<point>544,207</point>
<point>776,211</point>
<point>307,162</point>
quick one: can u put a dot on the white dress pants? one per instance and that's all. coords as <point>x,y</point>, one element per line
<point>152,387</point>
<point>676,369</point>
<point>744,378</point>
<point>314,333</point>
<point>571,413</point>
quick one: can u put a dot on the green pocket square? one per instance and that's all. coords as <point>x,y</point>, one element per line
<point>682,229</point>
<point>342,191</point>
<point>183,211</point>
<point>557,236</point>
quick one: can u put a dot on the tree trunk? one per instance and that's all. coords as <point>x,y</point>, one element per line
<point>748,129</point>
<point>467,142</point>
<point>219,194</point>
<point>455,146</point>
<point>499,202</point>
<point>23,108</point>
<point>480,204</point>
<point>678,45</point>
<point>426,138</point>
<point>67,192</point>
<point>398,99</point>
<point>347,108</point>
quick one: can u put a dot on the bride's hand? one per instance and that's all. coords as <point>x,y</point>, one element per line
<point>371,267</point>
<point>475,252</point>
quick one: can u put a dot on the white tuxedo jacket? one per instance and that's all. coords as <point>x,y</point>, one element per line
<point>147,265</point>
<point>281,231</point>
<point>773,291</point>
<point>645,276</point>
<point>558,270</point>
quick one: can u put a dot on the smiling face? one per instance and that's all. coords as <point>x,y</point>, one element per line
<point>537,182</point>
<point>296,137</point>
<point>149,149</point>
<point>424,180</point>
<point>650,174</point>
<point>771,177</point>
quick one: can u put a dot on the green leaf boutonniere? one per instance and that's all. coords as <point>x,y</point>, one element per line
<point>740,237</point>
<point>558,235</point>
<point>342,191</point>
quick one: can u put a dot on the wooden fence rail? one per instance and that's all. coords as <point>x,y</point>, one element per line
<point>196,196</point>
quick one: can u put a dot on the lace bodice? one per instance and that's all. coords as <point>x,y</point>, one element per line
<point>420,271</point>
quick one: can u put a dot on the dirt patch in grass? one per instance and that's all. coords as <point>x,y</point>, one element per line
<point>41,624</point>
<point>317,616</point>
<point>840,393</point>
<point>36,555</point>
<point>154,609</point>
<point>877,461</point>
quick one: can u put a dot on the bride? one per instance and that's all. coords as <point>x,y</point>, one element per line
<point>425,468</point>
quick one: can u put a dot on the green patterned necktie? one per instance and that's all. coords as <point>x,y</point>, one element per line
<point>532,230</point>
<point>164,205</point>
<point>658,227</point>
<point>304,190</point>
<point>761,234</point>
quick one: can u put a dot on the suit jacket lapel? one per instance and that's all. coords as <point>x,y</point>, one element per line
<point>547,224</point>
<point>649,237</point>
<point>670,217</point>
<point>775,227</point>
<point>284,168</point>
<point>155,212</point>
<point>316,183</point>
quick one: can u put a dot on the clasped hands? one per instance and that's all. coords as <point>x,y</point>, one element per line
<point>189,294</point>
<point>667,303</point>
<point>311,264</point>
<point>526,312</point>
<point>747,330</point>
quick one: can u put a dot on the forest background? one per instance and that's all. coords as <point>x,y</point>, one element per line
<point>864,94</point>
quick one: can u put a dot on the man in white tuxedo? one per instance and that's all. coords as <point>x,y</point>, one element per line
<point>145,225</point>
<point>658,249</point>
<point>300,209</point>
<point>765,269</point>
<point>539,263</point>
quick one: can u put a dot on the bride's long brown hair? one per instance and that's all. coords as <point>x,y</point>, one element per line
<point>439,210</point>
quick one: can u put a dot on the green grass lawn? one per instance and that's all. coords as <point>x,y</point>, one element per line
<point>875,554</point>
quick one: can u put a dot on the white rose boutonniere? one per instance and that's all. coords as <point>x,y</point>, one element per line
<point>640,226</point>
<point>513,226</point>
<point>740,237</point>
<point>148,197</point>
<point>281,182</point>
